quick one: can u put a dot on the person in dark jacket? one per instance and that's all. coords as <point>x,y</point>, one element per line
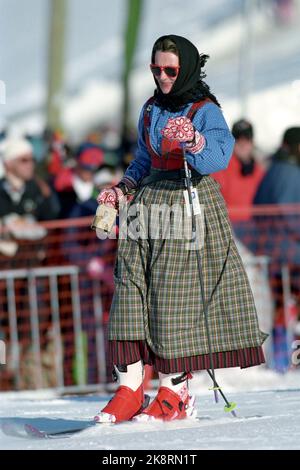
<point>21,192</point>
<point>75,186</point>
<point>280,185</point>
<point>279,237</point>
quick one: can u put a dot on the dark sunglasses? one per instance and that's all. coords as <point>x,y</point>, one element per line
<point>171,71</point>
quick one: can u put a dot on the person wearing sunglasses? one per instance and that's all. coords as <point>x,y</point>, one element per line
<point>22,192</point>
<point>156,315</point>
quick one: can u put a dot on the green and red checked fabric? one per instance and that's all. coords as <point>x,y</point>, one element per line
<point>158,297</point>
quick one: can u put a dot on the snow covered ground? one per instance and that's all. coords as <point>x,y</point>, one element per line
<point>268,410</point>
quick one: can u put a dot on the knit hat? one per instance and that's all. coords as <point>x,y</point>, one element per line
<point>15,148</point>
<point>90,156</point>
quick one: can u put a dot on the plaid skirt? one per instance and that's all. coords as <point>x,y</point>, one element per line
<point>157,296</point>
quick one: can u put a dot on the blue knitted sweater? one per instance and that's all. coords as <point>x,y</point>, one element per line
<point>208,120</point>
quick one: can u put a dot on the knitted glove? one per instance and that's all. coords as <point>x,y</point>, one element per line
<point>197,144</point>
<point>112,197</point>
<point>180,129</point>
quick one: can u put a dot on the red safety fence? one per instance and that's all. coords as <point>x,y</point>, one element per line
<point>55,295</point>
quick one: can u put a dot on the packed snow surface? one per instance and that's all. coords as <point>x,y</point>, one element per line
<point>267,408</point>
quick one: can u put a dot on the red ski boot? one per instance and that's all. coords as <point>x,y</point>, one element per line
<point>170,404</point>
<point>125,404</point>
<point>129,398</point>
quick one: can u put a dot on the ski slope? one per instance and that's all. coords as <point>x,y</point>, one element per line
<point>268,410</point>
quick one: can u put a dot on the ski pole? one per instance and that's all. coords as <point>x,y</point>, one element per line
<point>229,407</point>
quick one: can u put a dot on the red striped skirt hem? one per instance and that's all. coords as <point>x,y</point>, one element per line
<point>128,352</point>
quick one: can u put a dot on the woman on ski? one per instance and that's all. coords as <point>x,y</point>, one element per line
<point>157,313</point>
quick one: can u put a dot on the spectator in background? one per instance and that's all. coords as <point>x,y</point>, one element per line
<point>281,185</point>
<point>280,233</point>
<point>57,152</point>
<point>23,196</point>
<point>240,180</point>
<point>76,186</point>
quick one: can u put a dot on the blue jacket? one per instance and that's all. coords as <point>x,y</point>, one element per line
<point>280,185</point>
<point>208,120</point>
<point>279,235</point>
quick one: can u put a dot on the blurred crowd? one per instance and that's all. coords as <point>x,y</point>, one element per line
<point>253,178</point>
<point>63,181</point>
<point>46,178</point>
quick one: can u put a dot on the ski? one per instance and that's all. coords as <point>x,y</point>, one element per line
<point>28,431</point>
<point>36,433</point>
